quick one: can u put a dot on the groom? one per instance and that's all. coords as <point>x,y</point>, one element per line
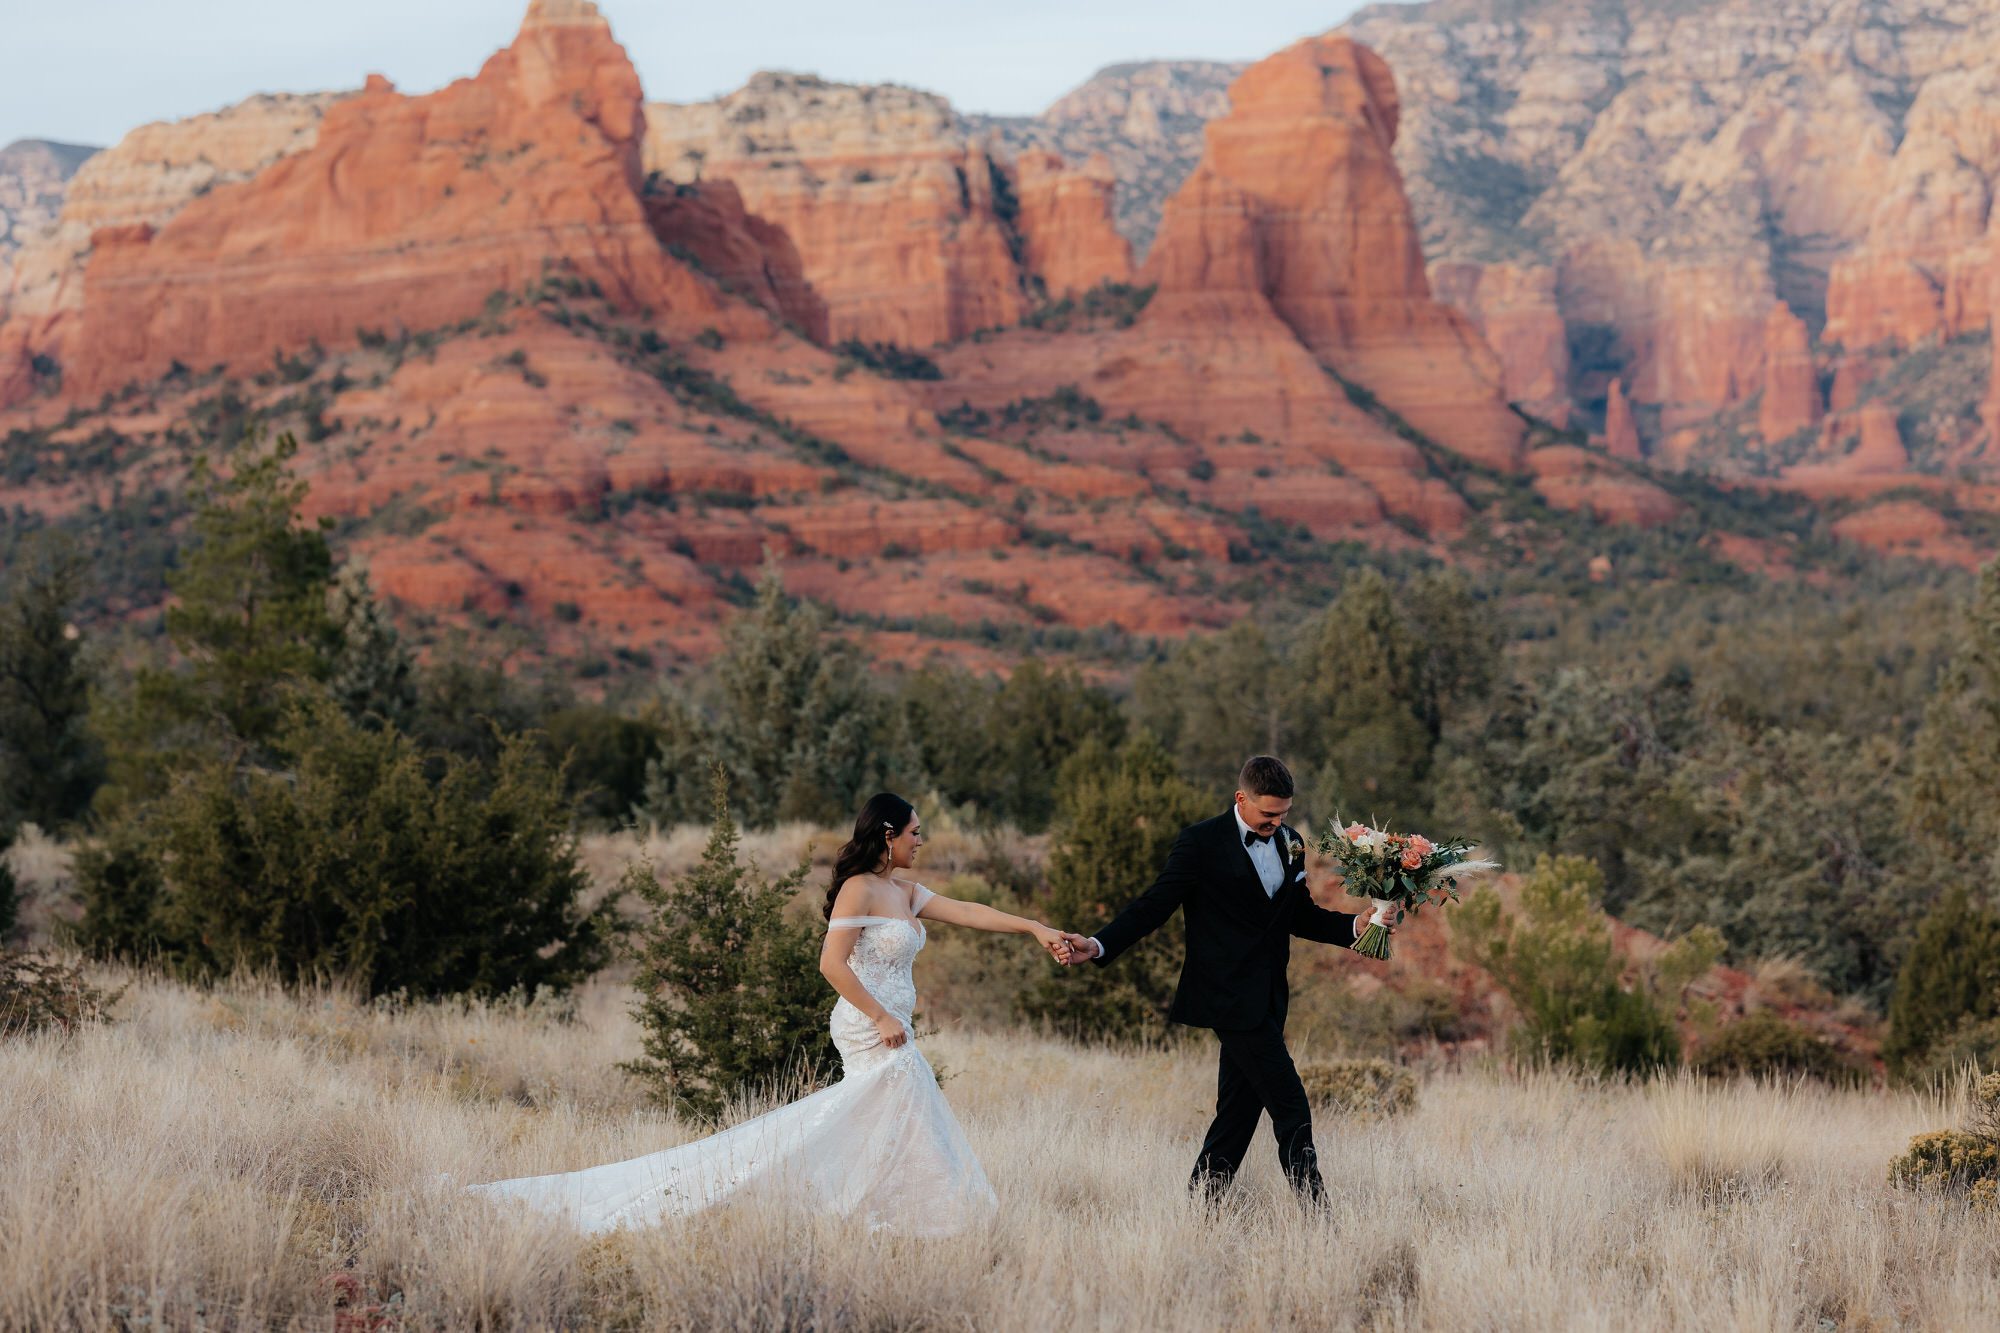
<point>1241,880</point>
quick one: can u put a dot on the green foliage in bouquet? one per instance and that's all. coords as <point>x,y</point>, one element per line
<point>1764,1045</point>
<point>1359,1087</point>
<point>1964,1163</point>
<point>730,995</point>
<point>1116,818</point>
<point>1556,960</point>
<point>1949,980</point>
<point>357,855</point>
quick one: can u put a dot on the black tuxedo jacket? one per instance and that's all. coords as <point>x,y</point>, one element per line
<point>1239,940</point>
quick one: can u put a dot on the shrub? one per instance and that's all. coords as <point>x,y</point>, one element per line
<point>1963,1162</point>
<point>363,858</point>
<point>891,360</point>
<point>1973,1044</point>
<point>1951,976</point>
<point>1763,1045</point>
<point>1360,1087</point>
<point>38,993</point>
<point>1559,966</point>
<point>1114,825</point>
<point>730,995</point>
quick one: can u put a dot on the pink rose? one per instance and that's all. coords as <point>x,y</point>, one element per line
<point>1412,858</point>
<point>1353,831</point>
<point>1421,845</point>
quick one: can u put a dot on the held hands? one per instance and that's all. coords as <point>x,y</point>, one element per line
<point>1055,941</point>
<point>1065,946</point>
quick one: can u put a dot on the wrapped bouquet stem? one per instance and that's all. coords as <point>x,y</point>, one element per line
<point>1398,872</point>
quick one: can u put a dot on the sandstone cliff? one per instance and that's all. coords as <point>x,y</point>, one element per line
<point>1144,119</point>
<point>145,180</point>
<point>402,212</point>
<point>909,228</point>
<point>1703,184</point>
<point>33,177</point>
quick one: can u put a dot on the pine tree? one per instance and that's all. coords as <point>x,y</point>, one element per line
<point>1950,977</point>
<point>1117,816</point>
<point>49,762</point>
<point>1955,782</point>
<point>800,730</point>
<point>678,775</point>
<point>1365,749</point>
<point>373,675</point>
<point>1038,719</point>
<point>1217,699</point>
<point>250,621</point>
<point>730,994</point>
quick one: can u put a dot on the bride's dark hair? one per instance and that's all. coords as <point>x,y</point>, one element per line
<point>885,815</point>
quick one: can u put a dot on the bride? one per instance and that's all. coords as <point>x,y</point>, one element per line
<point>880,1145</point>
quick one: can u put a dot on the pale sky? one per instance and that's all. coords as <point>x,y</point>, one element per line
<point>86,71</point>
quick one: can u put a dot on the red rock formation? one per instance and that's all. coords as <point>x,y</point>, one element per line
<point>909,230</point>
<point>408,211</point>
<point>1621,432</point>
<point>1911,528</point>
<point>1881,449</point>
<point>1068,240</point>
<point>1572,478</point>
<point>1791,382</point>
<point>746,254</point>
<point>1924,268</point>
<point>1516,311</point>
<point>1298,209</point>
<point>1990,412</point>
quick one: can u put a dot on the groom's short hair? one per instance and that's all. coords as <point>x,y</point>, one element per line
<point>1263,775</point>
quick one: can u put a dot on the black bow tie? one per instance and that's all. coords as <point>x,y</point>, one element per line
<point>1251,836</point>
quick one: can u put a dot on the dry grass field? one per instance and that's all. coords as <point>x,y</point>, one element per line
<point>250,1156</point>
<point>247,1156</point>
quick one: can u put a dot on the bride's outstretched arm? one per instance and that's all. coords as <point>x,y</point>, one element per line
<point>835,967</point>
<point>981,917</point>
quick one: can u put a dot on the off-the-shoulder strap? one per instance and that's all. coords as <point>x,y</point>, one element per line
<point>840,921</point>
<point>919,898</point>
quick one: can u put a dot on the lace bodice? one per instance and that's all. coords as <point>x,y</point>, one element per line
<point>882,960</point>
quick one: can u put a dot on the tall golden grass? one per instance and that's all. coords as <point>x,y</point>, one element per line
<point>245,1155</point>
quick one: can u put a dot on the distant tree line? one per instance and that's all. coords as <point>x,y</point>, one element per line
<point>286,786</point>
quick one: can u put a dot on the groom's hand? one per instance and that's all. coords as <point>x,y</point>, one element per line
<point>1081,948</point>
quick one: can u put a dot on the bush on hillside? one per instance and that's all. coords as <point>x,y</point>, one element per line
<point>1763,1045</point>
<point>363,858</point>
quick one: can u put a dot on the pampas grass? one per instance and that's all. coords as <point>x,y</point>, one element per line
<point>247,1155</point>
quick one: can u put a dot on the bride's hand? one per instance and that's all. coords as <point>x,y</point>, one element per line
<point>893,1032</point>
<point>1053,940</point>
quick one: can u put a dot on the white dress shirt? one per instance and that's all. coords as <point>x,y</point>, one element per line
<point>1263,855</point>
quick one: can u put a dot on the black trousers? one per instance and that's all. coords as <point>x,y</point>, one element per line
<point>1256,1076</point>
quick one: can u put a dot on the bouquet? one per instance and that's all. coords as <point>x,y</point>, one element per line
<point>1400,872</point>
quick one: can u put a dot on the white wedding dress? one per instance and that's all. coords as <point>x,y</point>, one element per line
<point>880,1146</point>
